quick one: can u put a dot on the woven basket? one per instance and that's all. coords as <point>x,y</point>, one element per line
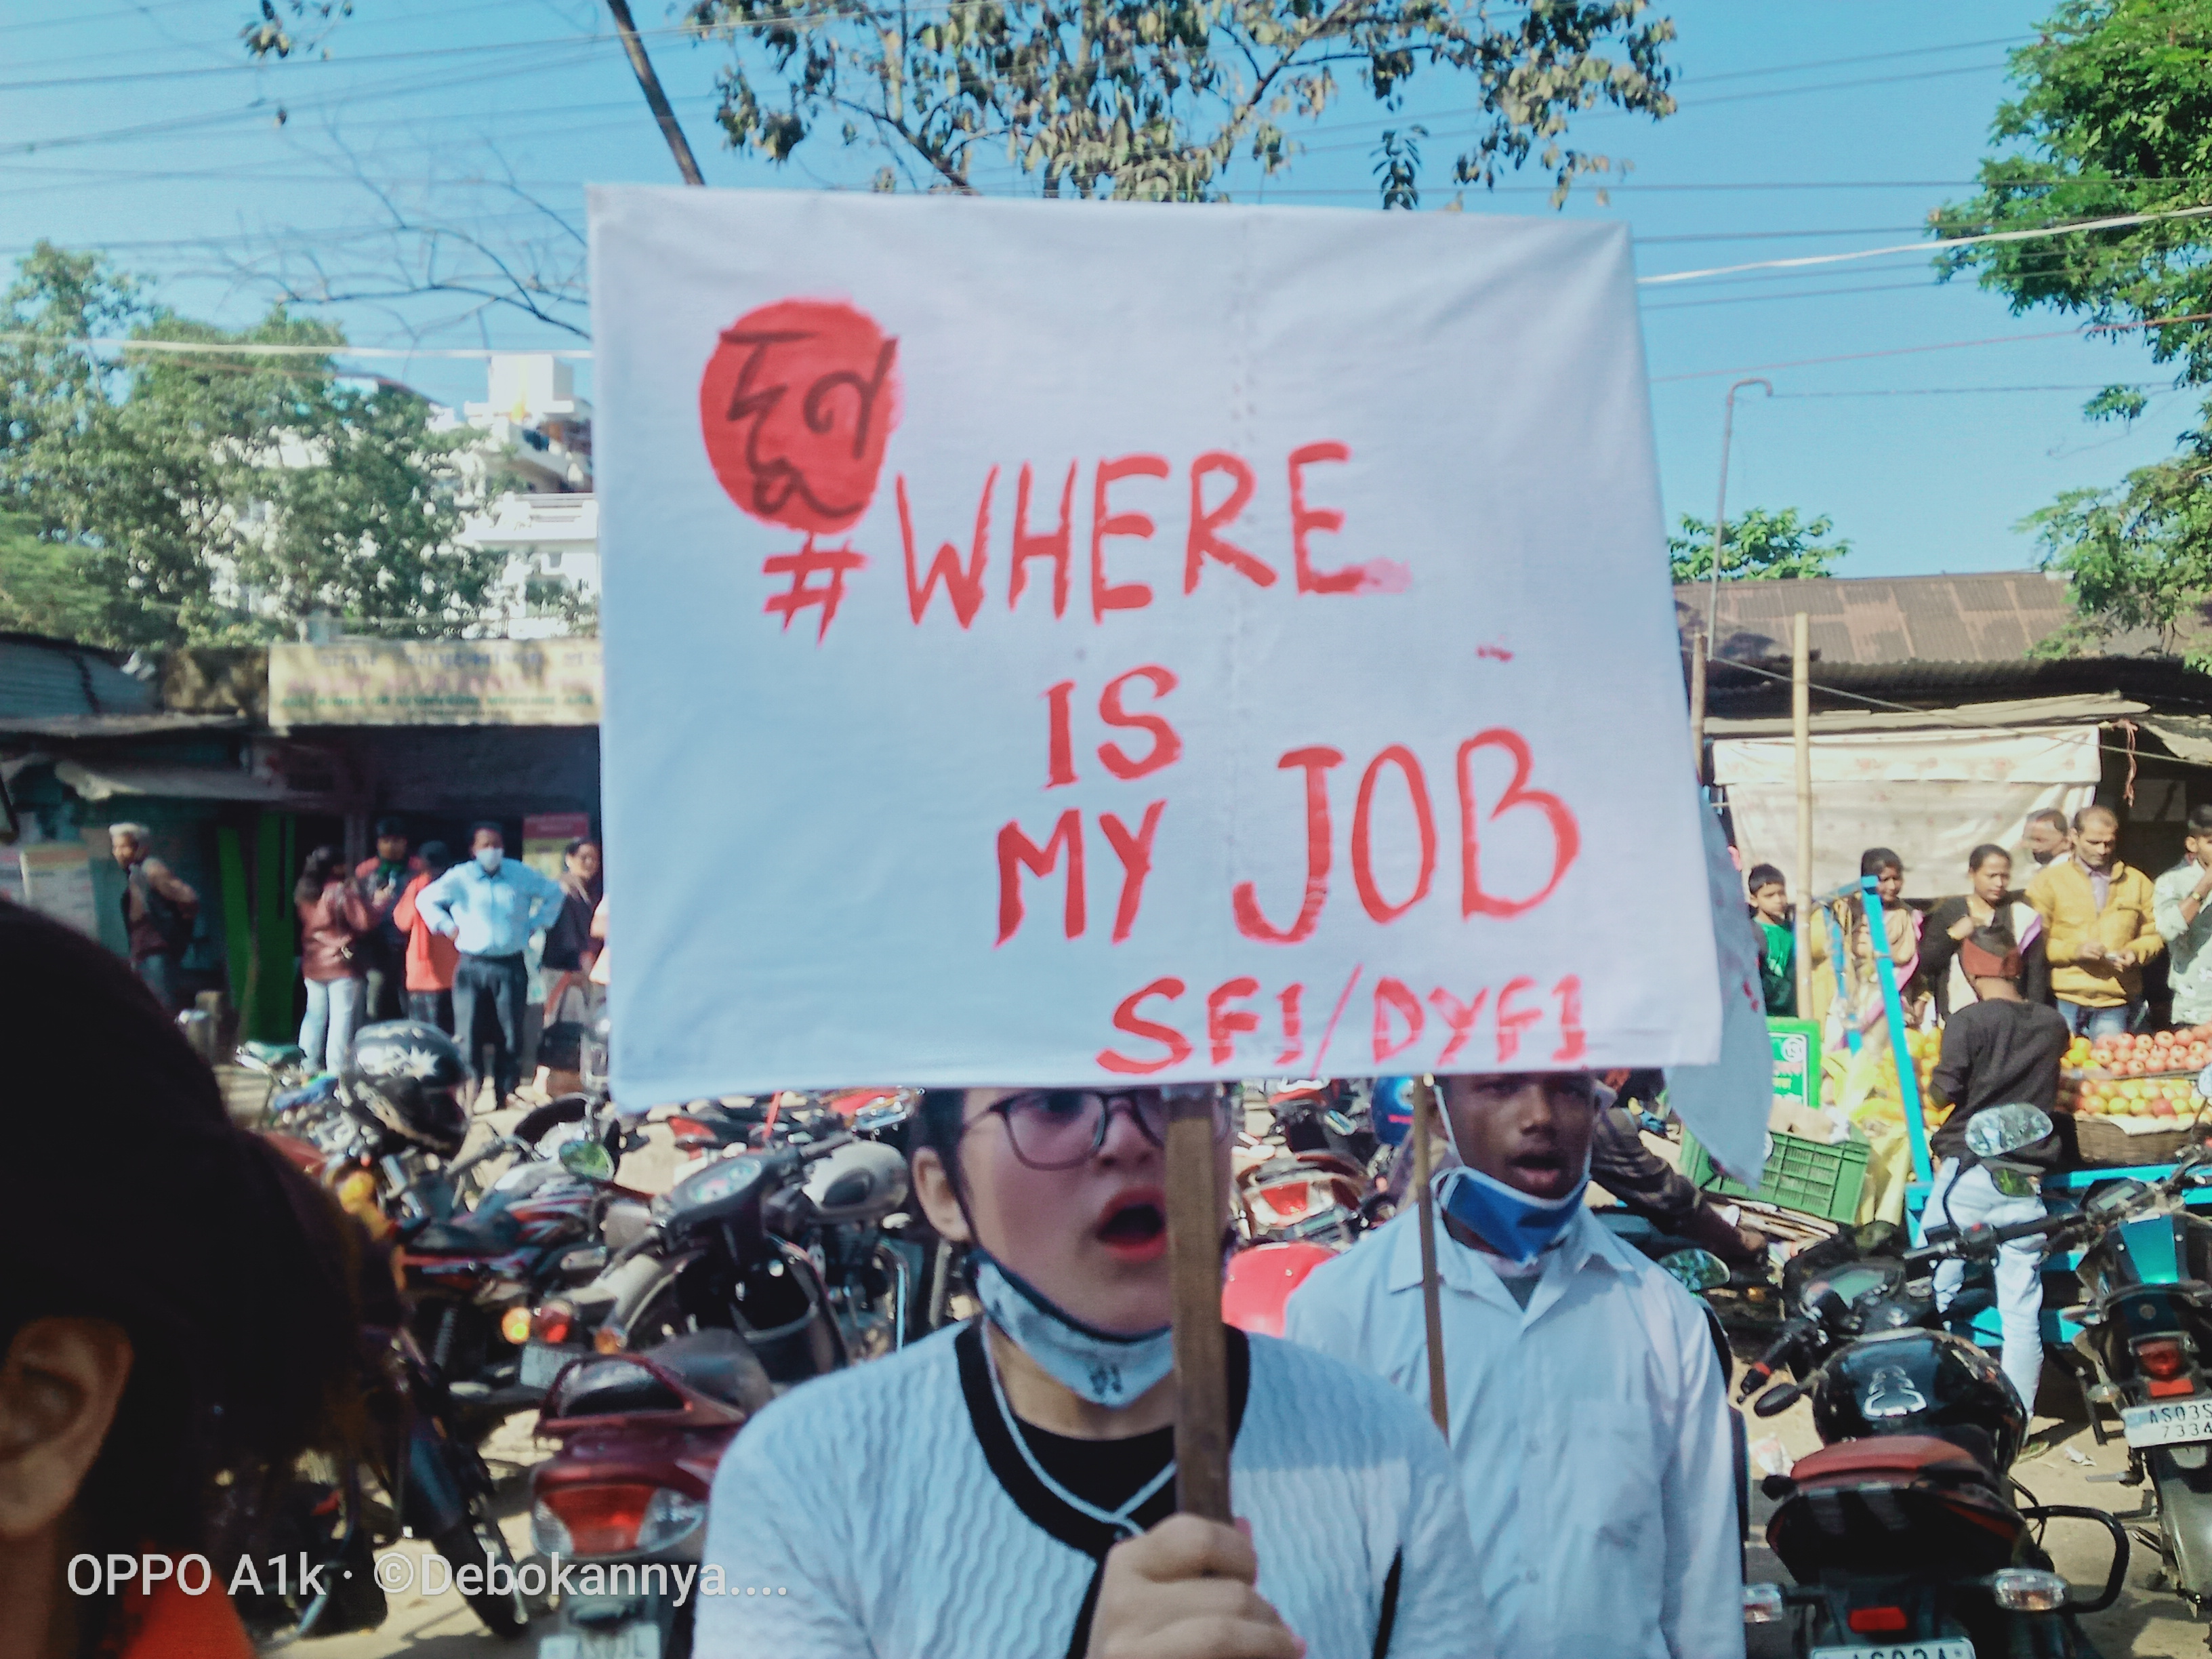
<point>2106,1144</point>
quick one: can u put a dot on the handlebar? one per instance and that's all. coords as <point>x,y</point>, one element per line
<point>1756,1375</point>
<point>1984,1239</point>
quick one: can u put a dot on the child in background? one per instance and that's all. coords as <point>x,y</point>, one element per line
<point>1777,966</point>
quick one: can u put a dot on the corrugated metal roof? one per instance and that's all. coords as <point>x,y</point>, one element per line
<point>1883,619</point>
<point>42,677</point>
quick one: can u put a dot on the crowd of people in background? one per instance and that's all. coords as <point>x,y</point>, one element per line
<point>409,934</point>
<point>2083,926</point>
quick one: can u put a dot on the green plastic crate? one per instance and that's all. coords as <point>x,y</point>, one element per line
<point>1800,1174</point>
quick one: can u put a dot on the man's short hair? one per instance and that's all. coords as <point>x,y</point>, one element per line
<point>1763,875</point>
<point>386,827</point>
<point>135,832</point>
<point>2050,815</point>
<point>483,824</point>
<point>2090,814</point>
<point>2200,818</point>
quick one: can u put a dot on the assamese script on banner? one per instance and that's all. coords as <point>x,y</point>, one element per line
<point>1082,643</point>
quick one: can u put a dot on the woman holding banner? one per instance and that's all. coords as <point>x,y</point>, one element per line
<point>1007,1488</point>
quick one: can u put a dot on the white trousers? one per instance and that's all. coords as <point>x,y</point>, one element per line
<point>1963,1201</point>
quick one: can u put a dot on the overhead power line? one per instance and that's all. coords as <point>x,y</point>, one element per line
<point>2118,223</point>
<point>264,348</point>
<point>1944,345</point>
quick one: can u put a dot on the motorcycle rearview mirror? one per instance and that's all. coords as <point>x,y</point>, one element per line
<point>1997,1130</point>
<point>1777,1399</point>
<point>589,1158</point>
<point>1696,1270</point>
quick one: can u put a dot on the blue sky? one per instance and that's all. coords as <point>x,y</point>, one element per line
<point>1811,128</point>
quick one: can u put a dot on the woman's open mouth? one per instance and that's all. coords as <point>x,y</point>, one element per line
<point>1136,1227</point>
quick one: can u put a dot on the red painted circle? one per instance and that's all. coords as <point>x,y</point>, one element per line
<point>796,406</point>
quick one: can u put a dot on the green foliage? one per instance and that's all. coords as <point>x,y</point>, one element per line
<point>1761,546</point>
<point>213,496</point>
<point>1398,166</point>
<point>2138,555</point>
<point>46,588</point>
<point>2114,116</point>
<point>1152,100</point>
<point>2116,402</point>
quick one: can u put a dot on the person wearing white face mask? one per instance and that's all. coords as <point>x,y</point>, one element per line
<point>488,907</point>
<point>1005,1489</point>
<point>1589,1409</point>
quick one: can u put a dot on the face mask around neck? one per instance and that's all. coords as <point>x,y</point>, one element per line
<point>1518,1227</point>
<point>488,859</point>
<point>1096,1365</point>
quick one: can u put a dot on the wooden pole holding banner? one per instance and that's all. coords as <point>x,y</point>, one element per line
<point>1432,1313</point>
<point>1698,706</point>
<point>1801,730</point>
<point>1201,1354</point>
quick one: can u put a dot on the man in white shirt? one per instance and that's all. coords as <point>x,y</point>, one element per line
<point>1589,1409</point>
<point>1006,1490</point>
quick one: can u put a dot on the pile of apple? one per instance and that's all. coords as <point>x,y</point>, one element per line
<point>2093,1096</point>
<point>2126,1055</point>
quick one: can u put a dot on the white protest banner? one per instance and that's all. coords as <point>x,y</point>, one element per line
<point>1054,643</point>
<point>1726,1104</point>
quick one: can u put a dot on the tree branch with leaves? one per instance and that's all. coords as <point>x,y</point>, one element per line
<point>1156,100</point>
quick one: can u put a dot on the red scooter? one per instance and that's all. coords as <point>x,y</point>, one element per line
<point>620,1510</point>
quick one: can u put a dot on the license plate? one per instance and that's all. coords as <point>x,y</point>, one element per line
<point>1945,1647</point>
<point>631,1642</point>
<point>2168,1422</point>
<point>542,1363</point>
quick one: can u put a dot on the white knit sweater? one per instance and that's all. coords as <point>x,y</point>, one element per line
<point>863,1514</point>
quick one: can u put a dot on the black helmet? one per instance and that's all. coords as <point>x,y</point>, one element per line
<point>1921,1382</point>
<point>408,1077</point>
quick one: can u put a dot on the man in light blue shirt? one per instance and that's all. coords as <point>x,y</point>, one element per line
<point>2182,914</point>
<point>489,907</point>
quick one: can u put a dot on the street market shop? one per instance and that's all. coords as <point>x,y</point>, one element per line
<point>235,788</point>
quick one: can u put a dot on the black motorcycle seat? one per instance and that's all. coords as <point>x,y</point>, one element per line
<point>718,1363</point>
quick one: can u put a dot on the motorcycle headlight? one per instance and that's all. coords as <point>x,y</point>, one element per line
<point>2025,1589</point>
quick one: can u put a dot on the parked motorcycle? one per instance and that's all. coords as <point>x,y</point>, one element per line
<point>2145,1319</point>
<point>624,1498</point>
<point>788,1245</point>
<point>1901,1532</point>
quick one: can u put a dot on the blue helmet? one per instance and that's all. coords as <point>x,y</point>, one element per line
<point>1391,1112</point>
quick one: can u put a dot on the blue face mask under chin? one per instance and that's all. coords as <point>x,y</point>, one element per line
<point>1518,1227</point>
<point>1101,1367</point>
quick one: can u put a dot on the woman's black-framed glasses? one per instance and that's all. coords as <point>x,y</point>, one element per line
<point>1060,1128</point>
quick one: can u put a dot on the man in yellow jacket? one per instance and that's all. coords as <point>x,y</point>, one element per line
<point>2098,926</point>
